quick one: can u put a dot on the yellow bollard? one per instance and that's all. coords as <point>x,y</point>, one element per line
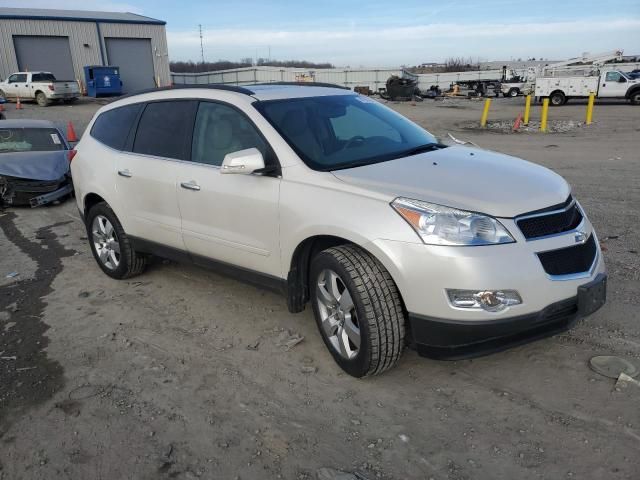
<point>592,99</point>
<point>527,109</point>
<point>543,118</point>
<point>485,112</point>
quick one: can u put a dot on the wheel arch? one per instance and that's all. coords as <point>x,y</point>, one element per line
<point>632,90</point>
<point>298,294</point>
<point>90,199</point>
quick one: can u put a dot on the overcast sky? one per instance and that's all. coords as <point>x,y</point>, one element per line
<point>383,32</point>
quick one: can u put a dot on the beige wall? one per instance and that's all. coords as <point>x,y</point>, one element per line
<point>80,33</point>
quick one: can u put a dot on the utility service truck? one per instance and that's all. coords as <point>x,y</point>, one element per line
<point>609,84</point>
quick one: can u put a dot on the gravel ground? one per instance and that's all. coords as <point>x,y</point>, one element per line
<point>182,373</point>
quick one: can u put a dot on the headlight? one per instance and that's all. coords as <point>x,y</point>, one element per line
<point>439,225</point>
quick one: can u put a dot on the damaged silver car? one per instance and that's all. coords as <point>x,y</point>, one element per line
<point>34,163</point>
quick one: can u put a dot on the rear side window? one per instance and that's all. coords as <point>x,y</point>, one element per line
<point>165,128</point>
<point>43,77</point>
<point>112,127</point>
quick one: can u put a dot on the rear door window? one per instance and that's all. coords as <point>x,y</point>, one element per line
<point>113,126</point>
<point>165,129</point>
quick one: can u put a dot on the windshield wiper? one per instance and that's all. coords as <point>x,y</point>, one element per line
<point>427,147</point>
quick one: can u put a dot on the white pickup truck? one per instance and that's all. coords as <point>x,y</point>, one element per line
<point>609,84</point>
<point>39,86</point>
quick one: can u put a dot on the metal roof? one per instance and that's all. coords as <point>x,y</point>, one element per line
<point>76,16</point>
<point>262,91</point>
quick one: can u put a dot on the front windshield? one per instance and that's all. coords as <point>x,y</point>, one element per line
<point>343,131</point>
<point>30,140</point>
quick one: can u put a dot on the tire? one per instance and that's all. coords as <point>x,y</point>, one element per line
<point>634,97</point>
<point>371,304</point>
<point>514,92</point>
<point>42,99</point>
<point>556,99</point>
<point>119,259</point>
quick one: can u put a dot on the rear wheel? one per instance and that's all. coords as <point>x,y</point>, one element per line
<point>556,99</point>
<point>358,310</point>
<point>42,99</point>
<point>635,97</point>
<point>110,244</point>
<point>513,92</point>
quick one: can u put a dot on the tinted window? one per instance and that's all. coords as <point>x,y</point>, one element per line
<point>43,77</point>
<point>165,129</point>
<point>344,131</point>
<point>113,126</point>
<point>220,129</point>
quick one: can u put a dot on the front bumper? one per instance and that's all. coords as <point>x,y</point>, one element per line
<point>423,273</point>
<point>453,340</point>
<point>34,193</point>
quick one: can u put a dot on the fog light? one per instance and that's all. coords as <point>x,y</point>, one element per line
<point>489,300</point>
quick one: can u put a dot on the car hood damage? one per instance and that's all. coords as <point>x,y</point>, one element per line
<point>34,178</point>
<point>465,178</point>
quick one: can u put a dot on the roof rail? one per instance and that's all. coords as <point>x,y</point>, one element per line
<point>302,84</point>
<point>212,86</point>
<point>246,90</point>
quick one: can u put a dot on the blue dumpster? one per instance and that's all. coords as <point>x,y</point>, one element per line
<point>102,81</point>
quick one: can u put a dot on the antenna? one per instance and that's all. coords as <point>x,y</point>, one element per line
<point>201,45</point>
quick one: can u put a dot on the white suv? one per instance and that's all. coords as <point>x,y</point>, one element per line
<point>337,200</point>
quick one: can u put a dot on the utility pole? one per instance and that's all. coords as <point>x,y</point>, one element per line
<point>201,45</point>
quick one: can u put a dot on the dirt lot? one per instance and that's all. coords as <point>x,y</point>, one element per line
<point>181,373</point>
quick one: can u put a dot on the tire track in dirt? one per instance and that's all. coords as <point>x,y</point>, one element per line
<point>27,376</point>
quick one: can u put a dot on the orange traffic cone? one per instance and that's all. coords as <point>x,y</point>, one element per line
<point>71,133</point>
<point>516,124</point>
<point>18,104</point>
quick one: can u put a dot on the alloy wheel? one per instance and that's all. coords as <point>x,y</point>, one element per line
<point>339,320</point>
<point>105,241</point>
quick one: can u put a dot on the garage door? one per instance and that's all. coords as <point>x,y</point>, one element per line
<point>46,54</point>
<point>133,56</point>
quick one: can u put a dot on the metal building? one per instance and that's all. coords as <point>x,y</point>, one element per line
<point>64,41</point>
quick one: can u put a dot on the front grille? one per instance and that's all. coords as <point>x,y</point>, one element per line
<point>569,260</point>
<point>551,224</point>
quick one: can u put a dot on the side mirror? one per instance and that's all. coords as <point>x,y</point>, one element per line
<point>622,80</point>
<point>243,161</point>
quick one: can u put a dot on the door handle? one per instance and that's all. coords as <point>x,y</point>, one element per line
<point>125,173</point>
<point>191,185</point>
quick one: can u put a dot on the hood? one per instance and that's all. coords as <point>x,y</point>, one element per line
<point>464,178</point>
<point>45,166</point>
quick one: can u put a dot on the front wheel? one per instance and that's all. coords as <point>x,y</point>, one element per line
<point>110,244</point>
<point>514,92</point>
<point>358,310</point>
